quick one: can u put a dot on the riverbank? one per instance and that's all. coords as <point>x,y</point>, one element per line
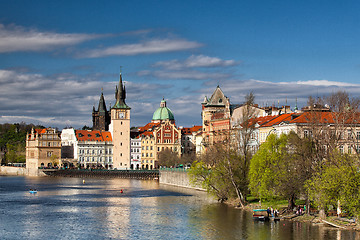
<point>333,221</point>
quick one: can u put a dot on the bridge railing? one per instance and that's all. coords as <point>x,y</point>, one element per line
<point>173,169</point>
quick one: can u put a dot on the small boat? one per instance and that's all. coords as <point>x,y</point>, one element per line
<point>32,191</point>
<point>260,215</point>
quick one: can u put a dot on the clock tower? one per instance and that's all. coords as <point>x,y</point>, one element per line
<point>120,120</point>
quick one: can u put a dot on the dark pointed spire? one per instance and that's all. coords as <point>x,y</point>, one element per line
<point>120,95</point>
<point>102,105</point>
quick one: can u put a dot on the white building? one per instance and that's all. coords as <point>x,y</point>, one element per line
<point>135,153</point>
<point>94,149</point>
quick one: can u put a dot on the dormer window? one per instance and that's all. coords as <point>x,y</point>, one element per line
<point>220,100</point>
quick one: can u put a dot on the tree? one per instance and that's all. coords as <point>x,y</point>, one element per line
<point>266,167</point>
<point>225,166</point>
<point>168,158</point>
<point>280,167</point>
<point>212,173</point>
<point>86,128</point>
<point>340,182</point>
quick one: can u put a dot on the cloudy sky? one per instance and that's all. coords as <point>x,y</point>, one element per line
<point>57,56</point>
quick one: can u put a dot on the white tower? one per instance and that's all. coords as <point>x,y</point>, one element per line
<point>120,120</point>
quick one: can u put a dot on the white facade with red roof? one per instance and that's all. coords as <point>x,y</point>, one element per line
<point>94,149</point>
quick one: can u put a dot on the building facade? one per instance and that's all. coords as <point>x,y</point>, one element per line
<point>94,149</point>
<point>43,149</point>
<point>135,149</point>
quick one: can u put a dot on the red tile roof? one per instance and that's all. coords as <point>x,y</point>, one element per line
<point>148,126</point>
<point>190,130</point>
<point>278,119</point>
<point>88,135</point>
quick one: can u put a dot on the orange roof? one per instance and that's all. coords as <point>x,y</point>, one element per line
<point>40,131</point>
<point>325,117</point>
<point>278,119</point>
<point>196,128</point>
<point>265,119</point>
<point>107,136</point>
<point>148,126</point>
<point>88,135</point>
<point>147,133</point>
<point>190,130</point>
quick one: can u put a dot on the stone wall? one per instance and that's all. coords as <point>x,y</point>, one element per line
<point>177,178</point>
<point>14,171</point>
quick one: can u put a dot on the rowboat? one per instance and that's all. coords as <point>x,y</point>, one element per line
<point>260,215</point>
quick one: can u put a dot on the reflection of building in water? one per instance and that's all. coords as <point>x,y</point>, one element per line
<point>43,149</point>
<point>119,208</point>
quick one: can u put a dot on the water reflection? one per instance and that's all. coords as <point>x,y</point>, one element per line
<point>65,208</point>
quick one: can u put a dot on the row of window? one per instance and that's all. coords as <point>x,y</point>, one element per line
<point>49,137</point>
<point>50,144</point>
<point>95,159</point>
<point>147,161</point>
<point>93,151</point>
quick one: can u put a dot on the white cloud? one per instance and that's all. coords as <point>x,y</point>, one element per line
<point>65,99</point>
<point>196,61</point>
<point>326,83</point>
<point>268,93</point>
<point>146,47</point>
<point>187,75</point>
<point>15,38</point>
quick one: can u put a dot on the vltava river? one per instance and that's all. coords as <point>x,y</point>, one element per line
<point>67,208</point>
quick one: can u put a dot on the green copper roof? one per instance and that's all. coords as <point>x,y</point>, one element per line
<point>120,95</point>
<point>163,113</point>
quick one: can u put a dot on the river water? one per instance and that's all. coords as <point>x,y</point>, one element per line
<point>67,208</point>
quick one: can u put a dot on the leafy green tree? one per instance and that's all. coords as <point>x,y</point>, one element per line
<point>219,172</point>
<point>266,167</point>
<point>280,168</point>
<point>210,179</point>
<point>337,182</point>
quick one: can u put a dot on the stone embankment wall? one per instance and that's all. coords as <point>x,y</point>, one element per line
<point>177,178</point>
<point>13,171</point>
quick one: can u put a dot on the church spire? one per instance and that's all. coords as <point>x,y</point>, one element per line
<point>102,105</point>
<point>120,95</point>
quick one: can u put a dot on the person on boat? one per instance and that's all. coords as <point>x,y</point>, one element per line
<point>121,191</point>
<point>268,211</point>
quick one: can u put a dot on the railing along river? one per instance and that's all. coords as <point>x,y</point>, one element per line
<point>135,174</point>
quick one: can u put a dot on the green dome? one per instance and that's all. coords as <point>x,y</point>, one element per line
<point>163,112</point>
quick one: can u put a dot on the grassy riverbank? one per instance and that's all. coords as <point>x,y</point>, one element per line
<point>281,205</point>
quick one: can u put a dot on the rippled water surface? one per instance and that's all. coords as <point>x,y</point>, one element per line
<point>67,208</point>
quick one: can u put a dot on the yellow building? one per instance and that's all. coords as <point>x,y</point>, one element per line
<point>159,135</point>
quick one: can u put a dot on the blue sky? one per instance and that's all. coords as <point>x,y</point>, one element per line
<point>56,56</point>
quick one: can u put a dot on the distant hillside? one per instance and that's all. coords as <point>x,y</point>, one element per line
<point>12,141</point>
